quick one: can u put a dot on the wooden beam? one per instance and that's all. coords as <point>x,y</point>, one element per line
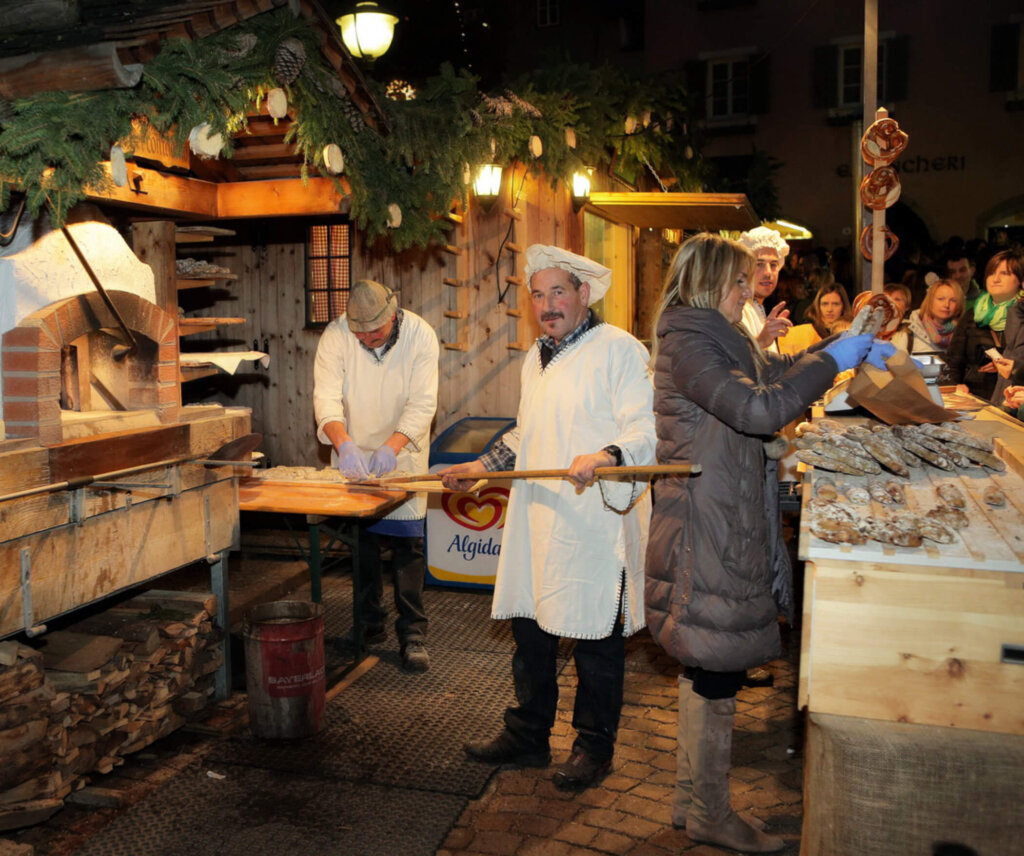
<point>264,152</point>
<point>283,198</point>
<point>161,193</point>
<point>81,69</point>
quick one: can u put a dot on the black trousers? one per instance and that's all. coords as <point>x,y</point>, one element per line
<point>600,666</point>
<point>409,568</point>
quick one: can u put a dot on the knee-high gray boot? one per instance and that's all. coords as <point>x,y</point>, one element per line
<point>710,818</point>
<point>684,787</point>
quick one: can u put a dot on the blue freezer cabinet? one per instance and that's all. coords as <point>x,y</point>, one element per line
<point>463,532</point>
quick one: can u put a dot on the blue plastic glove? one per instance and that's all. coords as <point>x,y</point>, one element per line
<point>352,461</point>
<point>850,351</point>
<point>879,353</point>
<point>383,461</point>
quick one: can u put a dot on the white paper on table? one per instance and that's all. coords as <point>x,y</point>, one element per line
<point>226,361</point>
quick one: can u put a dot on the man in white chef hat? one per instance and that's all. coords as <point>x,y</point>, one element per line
<point>770,250</point>
<point>374,396</point>
<point>572,556</point>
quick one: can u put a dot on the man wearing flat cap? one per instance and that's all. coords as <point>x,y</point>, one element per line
<point>572,557</point>
<point>770,250</point>
<point>374,395</point>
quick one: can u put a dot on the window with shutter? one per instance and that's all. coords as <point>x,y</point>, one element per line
<point>328,275</point>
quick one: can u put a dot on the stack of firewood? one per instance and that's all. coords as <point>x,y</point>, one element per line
<point>79,699</point>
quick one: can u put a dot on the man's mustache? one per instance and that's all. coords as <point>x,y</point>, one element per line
<point>551,316</point>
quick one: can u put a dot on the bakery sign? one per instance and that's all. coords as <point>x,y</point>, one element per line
<point>919,164</point>
<point>464,536</point>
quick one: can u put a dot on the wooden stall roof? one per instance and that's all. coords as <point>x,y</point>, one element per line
<point>689,211</point>
<point>97,44</point>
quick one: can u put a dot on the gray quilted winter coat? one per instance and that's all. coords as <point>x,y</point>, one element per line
<point>714,551</point>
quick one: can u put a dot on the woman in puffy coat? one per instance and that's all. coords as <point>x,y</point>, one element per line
<point>715,554</point>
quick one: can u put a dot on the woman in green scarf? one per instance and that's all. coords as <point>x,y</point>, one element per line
<point>967,363</point>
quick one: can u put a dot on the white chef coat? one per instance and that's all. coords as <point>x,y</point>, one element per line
<point>563,553</point>
<point>753,319</point>
<point>375,396</point>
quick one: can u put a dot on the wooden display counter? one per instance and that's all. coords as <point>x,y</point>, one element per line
<point>912,672</point>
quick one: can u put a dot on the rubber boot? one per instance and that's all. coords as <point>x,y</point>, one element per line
<point>709,751</point>
<point>684,787</point>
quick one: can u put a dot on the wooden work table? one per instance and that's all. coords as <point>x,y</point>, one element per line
<point>338,508</point>
<point>911,667</point>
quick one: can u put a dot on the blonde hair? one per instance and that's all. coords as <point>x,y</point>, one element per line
<point>929,298</point>
<point>703,269</point>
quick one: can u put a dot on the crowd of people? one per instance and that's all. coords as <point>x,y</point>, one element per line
<point>744,341</point>
<point>974,327</point>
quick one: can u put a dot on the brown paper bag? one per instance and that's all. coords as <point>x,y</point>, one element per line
<point>898,396</point>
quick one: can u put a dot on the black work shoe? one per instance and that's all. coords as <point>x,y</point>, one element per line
<point>371,636</point>
<point>580,771</point>
<point>415,657</point>
<point>505,749</point>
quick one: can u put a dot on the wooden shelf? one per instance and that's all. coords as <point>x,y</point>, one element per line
<point>203,282</point>
<point>190,326</point>
<point>200,234</point>
<point>187,373</point>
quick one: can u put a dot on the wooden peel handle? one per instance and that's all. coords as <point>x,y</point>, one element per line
<point>652,470</point>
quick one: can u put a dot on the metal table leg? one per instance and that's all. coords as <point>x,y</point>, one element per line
<point>219,585</point>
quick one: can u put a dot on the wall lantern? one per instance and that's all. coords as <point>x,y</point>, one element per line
<point>367,31</point>
<point>581,189</point>
<point>487,184</point>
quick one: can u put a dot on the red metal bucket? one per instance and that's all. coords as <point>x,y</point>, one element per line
<point>284,668</point>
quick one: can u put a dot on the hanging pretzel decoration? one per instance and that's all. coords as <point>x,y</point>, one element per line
<point>892,243</point>
<point>882,142</point>
<point>880,188</point>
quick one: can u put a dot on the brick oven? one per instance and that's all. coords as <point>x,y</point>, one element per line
<point>102,484</point>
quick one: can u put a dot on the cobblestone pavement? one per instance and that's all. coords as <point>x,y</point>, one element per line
<point>523,814</point>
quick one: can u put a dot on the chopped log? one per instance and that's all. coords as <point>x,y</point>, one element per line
<point>28,813</point>
<point>8,653</point>
<point>122,626</point>
<point>47,786</point>
<point>80,69</point>
<point>22,736</point>
<point>20,766</point>
<point>20,679</point>
<point>68,651</point>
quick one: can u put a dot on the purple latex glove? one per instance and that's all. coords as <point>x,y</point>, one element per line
<point>383,461</point>
<point>352,461</point>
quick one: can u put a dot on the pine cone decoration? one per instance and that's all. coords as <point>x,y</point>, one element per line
<point>288,61</point>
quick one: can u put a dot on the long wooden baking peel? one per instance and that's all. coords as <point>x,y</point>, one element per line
<point>600,472</point>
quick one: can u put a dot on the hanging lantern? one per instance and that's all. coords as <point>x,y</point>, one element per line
<point>367,30</point>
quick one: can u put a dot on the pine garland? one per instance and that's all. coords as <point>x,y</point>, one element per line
<point>52,145</point>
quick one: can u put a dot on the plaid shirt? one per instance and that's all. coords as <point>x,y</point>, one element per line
<point>501,457</point>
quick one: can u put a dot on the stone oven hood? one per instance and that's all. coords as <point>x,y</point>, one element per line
<point>59,336</point>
